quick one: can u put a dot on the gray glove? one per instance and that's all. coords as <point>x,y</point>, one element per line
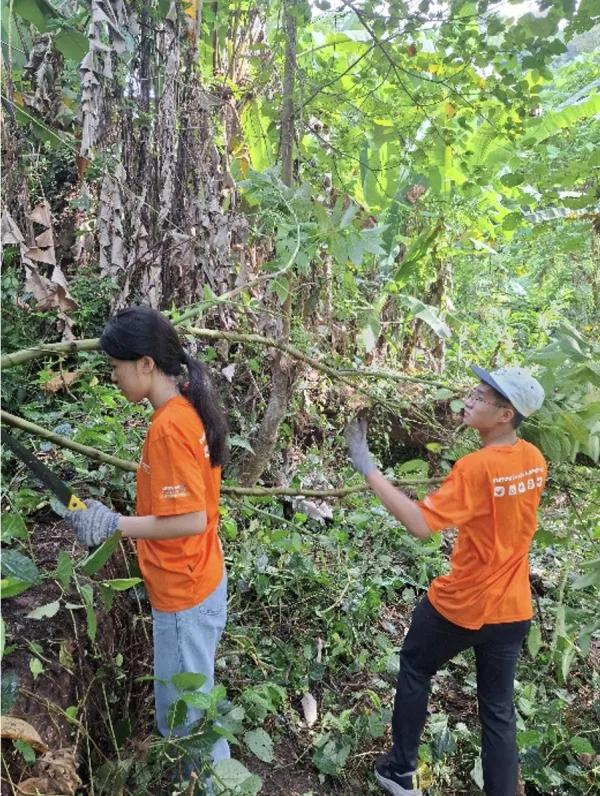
<point>94,525</point>
<point>355,435</point>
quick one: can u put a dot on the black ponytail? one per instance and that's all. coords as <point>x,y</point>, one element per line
<point>143,332</point>
<point>201,394</point>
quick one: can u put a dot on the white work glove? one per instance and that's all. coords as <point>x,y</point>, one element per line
<point>355,435</point>
<point>94,525</point>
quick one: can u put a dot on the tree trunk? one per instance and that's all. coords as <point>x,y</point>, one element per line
<point>282,374</point>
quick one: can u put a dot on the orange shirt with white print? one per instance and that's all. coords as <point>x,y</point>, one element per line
<point>491,496</point>
<point>175,477</point>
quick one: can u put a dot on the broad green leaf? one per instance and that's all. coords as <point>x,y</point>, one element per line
<point>177,714</point>
<point>38,12</point>
<point>71,43</point>
<point>71,712</point>
<point>64,569</point>
<point>281,287</point>
<point>16,565</point>
<point>551,123</point>
<point>9,687</point>
<point>46,611</point>
<point>197,699</point>
<point>429,315</point>
<point>188,681</point>
<point>591,578</point>
<point>566,661</point>
<point>122,584</point>
<point>232,777</point>
<point>414,467</point>
<point>331,754</point>
<point>100,556</point>
<point>581,745</point>
<point>87,594</point>
<point>529,738</point>
<point>234,720</point>
<point>10,587</point>
<point>13,527</point>
<point>107,596</point>
<point>25,749</point>
<point>260,744</point>
<point>416,251</point>
<point>36,667</point>
<point>348,215</point>
<point>255,127</point>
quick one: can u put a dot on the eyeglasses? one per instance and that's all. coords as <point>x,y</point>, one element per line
<point>477,397</point>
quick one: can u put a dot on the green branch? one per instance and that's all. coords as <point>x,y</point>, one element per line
<point>65,442</point>
<point>129,466</point>
<point>27,354</point>
<point>345,376</point>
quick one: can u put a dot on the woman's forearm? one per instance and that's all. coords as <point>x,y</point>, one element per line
<point>152,527</point>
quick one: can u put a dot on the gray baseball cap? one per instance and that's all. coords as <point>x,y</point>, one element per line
<point>518,386</point>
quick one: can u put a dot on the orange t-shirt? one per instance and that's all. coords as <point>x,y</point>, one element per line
<point>491,496</point>
<point>175,476</point>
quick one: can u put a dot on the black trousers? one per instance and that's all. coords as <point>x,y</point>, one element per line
<point>431,642</point>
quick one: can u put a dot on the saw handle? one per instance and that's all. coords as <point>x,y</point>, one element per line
<point>75,504</point>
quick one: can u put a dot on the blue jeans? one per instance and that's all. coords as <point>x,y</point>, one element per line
<point>186,641</point>
<point>430,643</point>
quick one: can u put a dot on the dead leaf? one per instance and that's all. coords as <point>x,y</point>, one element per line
<point>19,730</point>
<point>65,325</point>
<point>309,706</point>
<point>41,255</point>
<point>34,786</point>
<point>56,775</point>
<point>228,372</point>
<point>61,381</point>
<point>83,164</point>
<point>41,214</point>
<point>319,511</point>
<point>45,239</point>
<point>49,294</point>
<point>10,231</point>
<point>589,760</point>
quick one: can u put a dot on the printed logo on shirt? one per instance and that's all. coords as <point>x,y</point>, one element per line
<point>204,445</point>
<point>172,492</point>
<point>521,483</point>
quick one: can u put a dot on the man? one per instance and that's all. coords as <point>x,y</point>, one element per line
<point>491,496</point>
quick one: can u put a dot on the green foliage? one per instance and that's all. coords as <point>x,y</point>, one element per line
<point>447,170</point>
<point>99,557</point>
<point>569,422</point>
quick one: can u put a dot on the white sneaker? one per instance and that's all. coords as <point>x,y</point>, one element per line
<point>397,784</point>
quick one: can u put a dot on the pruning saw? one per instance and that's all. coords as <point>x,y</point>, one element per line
<point>45,474</point>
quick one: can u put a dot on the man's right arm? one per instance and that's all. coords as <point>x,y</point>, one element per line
<point>403,508</point>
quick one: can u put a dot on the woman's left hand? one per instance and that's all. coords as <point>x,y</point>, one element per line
<point>94,525</point>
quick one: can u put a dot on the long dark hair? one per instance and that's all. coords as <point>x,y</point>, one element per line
<point>143,332</point>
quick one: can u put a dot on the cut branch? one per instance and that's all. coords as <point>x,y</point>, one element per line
<point>65,442</point>
<point>344,375</point>
<point>27,354</point>
<point>129,466</point>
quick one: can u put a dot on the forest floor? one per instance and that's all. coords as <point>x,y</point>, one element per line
<point>94,697</point>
